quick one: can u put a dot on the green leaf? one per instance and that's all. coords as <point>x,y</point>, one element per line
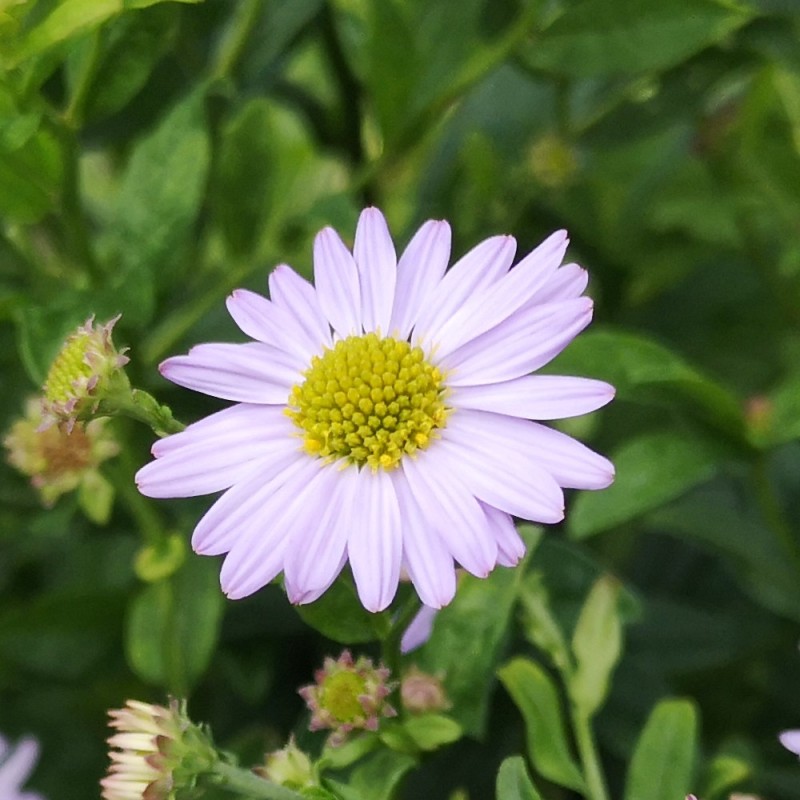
<point>158,202</point>
<point>644,371</point>
<point>541,627</point>
<point>513,781</point>
<point>340,616</point>
<point>468,637</point>
<point>376,778</point>
<point>96,498</point>
<point>68,20</point>
<point>663,761</point>
<point>431,731</point>
<point>724,773</point>
<point>597,645</point>
<point>535,694</point>
<point>597,37</point>
<point>652,470</point>
<point>173,626</point>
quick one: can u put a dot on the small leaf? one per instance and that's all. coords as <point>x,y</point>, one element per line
<point>652,470</point>
<point>724,773</point>
<point>663,761</point>
<point>96,498</point>
<point>541,627</point>
<point>339,615</point>
<point>513,781</point>
<point>431,731</point>
<point>597,645</point>
<point>596,37</point>
<point>535,694</point>
<point>173,626</point>
<point>376,778</point>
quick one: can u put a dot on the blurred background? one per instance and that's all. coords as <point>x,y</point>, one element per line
<point>156,155</point>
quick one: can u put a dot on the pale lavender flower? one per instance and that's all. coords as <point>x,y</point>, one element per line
<point>16,765</point>
<point>791,741</point>
<point>419,631</point>
<point>383,417</point>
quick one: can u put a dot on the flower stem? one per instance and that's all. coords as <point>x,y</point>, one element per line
<point>250,785</point>
<point>592,772</point>
<point>390,646</point>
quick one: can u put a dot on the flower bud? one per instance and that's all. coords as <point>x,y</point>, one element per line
<point>156,751</point>
<point>348,695</point>
<point>289,767</point>
<point>422,693</point>
<point>87,368</point>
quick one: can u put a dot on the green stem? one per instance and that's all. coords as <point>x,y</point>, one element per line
<point>250,785</point>
<point>592,772</point>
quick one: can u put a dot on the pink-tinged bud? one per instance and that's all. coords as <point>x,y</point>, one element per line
<point>155,752</point>
<point>422,693</point>
<point>348,695</point>
<point>87,368</point>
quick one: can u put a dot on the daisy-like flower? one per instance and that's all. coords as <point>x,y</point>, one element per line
<point>348,695</point>
<point>383,417</point>
<point>16,765</point>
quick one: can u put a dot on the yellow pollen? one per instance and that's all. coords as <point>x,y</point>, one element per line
<point>370,401</point>
<point>68,367</point>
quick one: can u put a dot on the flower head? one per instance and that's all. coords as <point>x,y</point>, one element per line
<point>384,417</point>
<point>58,459</point>
<point>348,695</point>
<point>421,692</point>
<point>82,373</point>
<point>16,765</point>
<point>155,750</point>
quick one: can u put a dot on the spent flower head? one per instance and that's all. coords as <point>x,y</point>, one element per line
<point>87,368</point>
<point>16,765</point>
<point>385,416</point>
<point>155,751</point>
<point>58,459</point>
<point>348,695</point>
<point>423,693</point>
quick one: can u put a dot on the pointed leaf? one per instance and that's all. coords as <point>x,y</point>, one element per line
<point>513,781</point>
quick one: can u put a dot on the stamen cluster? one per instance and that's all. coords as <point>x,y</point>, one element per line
<point>369,400</point>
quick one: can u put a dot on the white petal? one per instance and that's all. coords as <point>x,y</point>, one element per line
<point>259,552</point>
<point>569,281</point>
<point>376,260</point>
<point>451,510</point>
<point>569,461</point>
<point>242,505</point>
<point>419,271</point>
<point>535,396</point>
<point>482,312</point>
<point>419,631</point>
<point>14,771</point>
<point>505,478</point>
<point>314,557</point>
<point>427,559</point>
<point>375,545</point>
<point>336,279</point>
<point>472,274</point>
<point>247,373</point>
<point>236,423</point>
<point>510,547</point>
<point>791,741</point>
<point>522,343</point>
<point>294,293</point>
<point>267,322</point>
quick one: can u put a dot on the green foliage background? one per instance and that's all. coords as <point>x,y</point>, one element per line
<point>156,155</point>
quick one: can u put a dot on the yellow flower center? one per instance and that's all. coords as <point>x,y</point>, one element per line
<point>340,694</point>
<point>369,401</point>
<point>69,366</point>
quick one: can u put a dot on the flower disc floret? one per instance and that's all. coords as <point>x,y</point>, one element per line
<point>369,400</point>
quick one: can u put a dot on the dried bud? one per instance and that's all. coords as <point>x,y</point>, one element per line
<point>56,459</point>
<point>83,373</point>
<point>156,751</point>
<point>348,695</point>
<point>422,693</point>
<point>289,767</point>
